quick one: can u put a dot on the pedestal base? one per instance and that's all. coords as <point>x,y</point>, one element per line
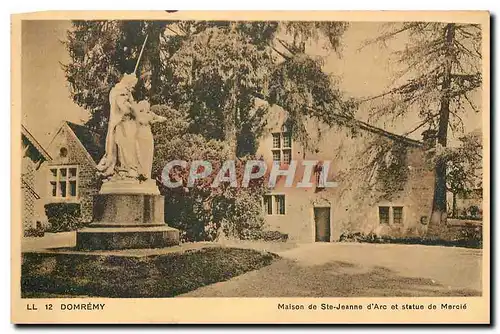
<point>110,238</point>
<point>129,186</point>
<point>127,220</point>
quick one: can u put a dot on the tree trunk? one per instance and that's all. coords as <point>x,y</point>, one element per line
<point>154,32</point>
<point>454,206</point>
<point>438,217</point>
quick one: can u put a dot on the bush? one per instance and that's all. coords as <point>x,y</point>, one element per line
<point>63,217</point>
<point>358,237</point>
<point>274,236</point>
<point>471,213</point>
<point>34,232</point>
<point>200,212</point>
<point>470,236</point>
<point>465,237</point>
<point>255,234</point>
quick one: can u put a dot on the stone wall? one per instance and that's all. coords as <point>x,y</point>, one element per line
<point>28,198</point>
<point>88,182</point>
<point>354,204</point>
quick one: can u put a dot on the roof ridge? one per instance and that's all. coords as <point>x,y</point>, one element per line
<point>91,147</point>
<point>35,142</point>
<point>83,126</point>
<point>375,129</point>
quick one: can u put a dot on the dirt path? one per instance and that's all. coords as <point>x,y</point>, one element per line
<point>344,270</point>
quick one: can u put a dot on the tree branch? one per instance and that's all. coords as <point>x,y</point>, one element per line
<point>280,53</point>
<point>424,122</point>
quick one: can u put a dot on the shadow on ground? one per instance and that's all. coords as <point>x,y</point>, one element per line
<point>288,278</point>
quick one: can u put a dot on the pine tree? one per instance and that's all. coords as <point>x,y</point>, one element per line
<point>441,72</point>
<point>213,71</point>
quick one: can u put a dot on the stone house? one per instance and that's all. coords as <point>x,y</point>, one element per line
<point>34,158</point>
<point>69,176</point>
<point>384,185</point>
<point>72,176</point>
<point>362,161</point>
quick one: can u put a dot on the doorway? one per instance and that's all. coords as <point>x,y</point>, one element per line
<point>322,223</point>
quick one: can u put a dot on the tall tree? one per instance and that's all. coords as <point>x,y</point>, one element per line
<point>464,170</point>
<point>441,70</point>
<point>214,71</point>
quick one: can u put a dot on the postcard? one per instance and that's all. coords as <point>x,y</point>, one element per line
<point>250,167</point>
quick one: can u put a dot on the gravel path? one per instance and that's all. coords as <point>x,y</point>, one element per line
<point>349,269</point>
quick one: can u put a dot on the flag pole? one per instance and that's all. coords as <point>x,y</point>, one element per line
<point>140,55</point>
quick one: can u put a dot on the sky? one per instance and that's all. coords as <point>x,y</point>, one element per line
<point>45,97</point>
<point>46,100</point>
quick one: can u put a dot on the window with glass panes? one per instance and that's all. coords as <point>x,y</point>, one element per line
<point>274,204</point>
<point>383,214</point>
<point>268,204</point>
<point>279,201</point>
<point>276,140</point>
<point>64,181</point>
<point>390,214</point>
<point>282,147</point>
<point>397,214</point>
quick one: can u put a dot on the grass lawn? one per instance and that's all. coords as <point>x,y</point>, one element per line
<point>57,275</point>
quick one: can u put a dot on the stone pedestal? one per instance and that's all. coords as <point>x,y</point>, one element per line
<point>127,216</point>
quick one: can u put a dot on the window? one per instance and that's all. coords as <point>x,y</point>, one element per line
<point>64,182</point>
<point>280,204</point>
<point>282,147</point>
<point>383,214</point>
<point>277,155</point>
<point>397,214</point>
<point>287,156</point>
<point>276,140</point>
<point>385,217</point>
<point>287,140</point>
<point>274,204</point>
<point>63,152</point>
<point>268,204</point>
<point>320,184</point>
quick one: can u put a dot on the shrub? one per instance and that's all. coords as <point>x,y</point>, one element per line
<point>200,212</point>
<point>358,237</point>
<point>63,217</point>
<point>255,234</point>
<point>470,236</point>
<point>274,236</point>
<point>34,232</point>
<point>471,213</point>
<point>465,237</point>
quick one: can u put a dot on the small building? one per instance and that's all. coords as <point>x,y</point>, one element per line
<point>71,174</point>
<point>64,173</point>
<point>383,184</point>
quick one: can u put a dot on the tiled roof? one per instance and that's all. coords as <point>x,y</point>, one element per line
<point>29,137</point>
<point>90,140</point>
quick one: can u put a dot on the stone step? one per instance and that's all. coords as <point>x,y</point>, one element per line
<point>110,238</point>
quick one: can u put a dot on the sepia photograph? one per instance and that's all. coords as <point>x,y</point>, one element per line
<point>183,158</point>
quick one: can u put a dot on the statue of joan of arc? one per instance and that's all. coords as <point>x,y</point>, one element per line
<point>121,156</point>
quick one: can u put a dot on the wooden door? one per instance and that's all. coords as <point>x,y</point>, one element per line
<point>322,222</point>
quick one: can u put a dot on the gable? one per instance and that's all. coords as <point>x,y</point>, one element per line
<point>65,149</point>
<point>90,140</point>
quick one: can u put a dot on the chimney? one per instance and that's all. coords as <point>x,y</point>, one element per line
<point>429,138</point>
